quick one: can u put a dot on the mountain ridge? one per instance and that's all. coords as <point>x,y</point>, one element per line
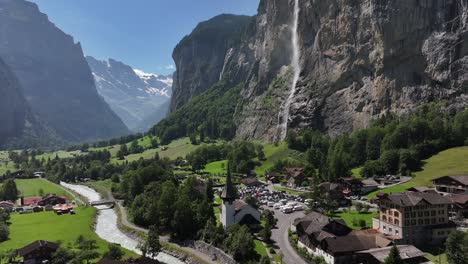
<point>136,96</point>
<point>54,76</point>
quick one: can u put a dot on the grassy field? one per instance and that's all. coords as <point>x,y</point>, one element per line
<point>217,167</point>
<point>274,153</point>
<point>449,162</point>
<point>177,148</point>
<point>349,216</point>
<point>61,154</point>
<point>31,187</point>
<point>28,228</point>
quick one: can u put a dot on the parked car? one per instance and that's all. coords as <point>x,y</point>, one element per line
<point>287,210</point>
<point>270,204</point>
<point>298,208</point>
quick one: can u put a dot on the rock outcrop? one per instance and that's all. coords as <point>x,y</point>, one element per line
<point>54,75</point>
<point>359,60</point>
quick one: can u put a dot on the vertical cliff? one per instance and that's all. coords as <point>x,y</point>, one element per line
<point>56,80</point>
<point>358,60</point>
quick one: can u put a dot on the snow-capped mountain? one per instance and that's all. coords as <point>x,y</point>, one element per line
<point>138,98</point>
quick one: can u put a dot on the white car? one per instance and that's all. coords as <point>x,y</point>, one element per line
<point>298,208</point>
<point>287,210</point>
<point>277,206</point>
<point>270,204</point>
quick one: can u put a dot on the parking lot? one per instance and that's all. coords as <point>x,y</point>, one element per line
<point>269,198</point>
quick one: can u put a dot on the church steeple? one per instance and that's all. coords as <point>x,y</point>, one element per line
<point>229,193</point>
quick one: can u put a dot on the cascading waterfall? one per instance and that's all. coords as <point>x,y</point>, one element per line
<point>283,115</point>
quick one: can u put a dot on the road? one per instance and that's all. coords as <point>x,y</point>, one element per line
<point>280,236</point>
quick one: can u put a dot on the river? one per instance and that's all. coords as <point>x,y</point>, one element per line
<point>106,225</point>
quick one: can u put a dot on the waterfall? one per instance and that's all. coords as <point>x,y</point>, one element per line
<point>283,115</point>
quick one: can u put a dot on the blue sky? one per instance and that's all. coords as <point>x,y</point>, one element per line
<point>141,33</point>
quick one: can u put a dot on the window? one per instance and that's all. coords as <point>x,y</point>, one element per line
<point>433,220</point>
<point>397,222</point>
<point>384,228</point>
<point>413,214</point>
<point>426,213</point>
<point>397,232</point>
<point>433,213</point>
<point>390,229</point>
<point>396,214</point>
<point>420,214</point>
<point>413,222</point>
<point>426,221</point>
<point>420,222</point>
<point>384,218</point>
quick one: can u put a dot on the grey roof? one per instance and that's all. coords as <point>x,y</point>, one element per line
<point>406,252</point>
<point>229,192</point>
<point>414,198</point>
<point>421,189</point>
<point>462,179</point>
<point>327,186</point>
<point>28,249</point>
<point>370,182</point>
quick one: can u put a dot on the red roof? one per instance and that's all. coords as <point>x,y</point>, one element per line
<point>31,200</point>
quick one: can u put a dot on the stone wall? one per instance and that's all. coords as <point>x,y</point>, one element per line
<point>209,250</point>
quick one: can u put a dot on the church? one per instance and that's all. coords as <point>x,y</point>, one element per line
<point>236,211</point>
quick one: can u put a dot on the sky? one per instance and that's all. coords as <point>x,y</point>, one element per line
<point>140,33</point>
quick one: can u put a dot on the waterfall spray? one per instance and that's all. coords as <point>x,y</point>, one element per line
<point>283,115</point>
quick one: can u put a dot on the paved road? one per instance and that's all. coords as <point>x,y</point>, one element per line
<point>280,236</point>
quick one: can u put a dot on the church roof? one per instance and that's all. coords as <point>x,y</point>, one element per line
<point>229,192</point>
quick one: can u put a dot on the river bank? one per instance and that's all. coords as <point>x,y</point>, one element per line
<point>106,226</point>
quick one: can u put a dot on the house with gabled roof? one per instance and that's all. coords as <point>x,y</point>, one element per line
<point>457,184</point>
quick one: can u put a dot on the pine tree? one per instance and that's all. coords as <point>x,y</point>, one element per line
<point>393,256</point>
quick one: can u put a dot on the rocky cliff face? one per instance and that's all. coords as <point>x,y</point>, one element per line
<point>200,57</point>
<point>55,77</point>
<point>138,98</point>
<point>358,60</point>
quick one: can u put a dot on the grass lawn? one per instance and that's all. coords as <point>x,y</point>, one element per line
<point>28,228</point>
<point>356,172</point>
<point>274,153</point>
<point>449,162</point>
<point>260,248</point>
<point>349,216</point>
<point>31,187</point>
<point>217,167</point>
<point>216,208</point>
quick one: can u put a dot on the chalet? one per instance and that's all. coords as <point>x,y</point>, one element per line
<point>333,240</point>
<point>7,206</point>
<point>52,200</point>
<point>457,184</point>
<point>422,189</point>
<point>236,211</point>
<point>37,252</point>
<point>294,176</point>
<point>43,201</point>
<point>273,177</point>
<point>368,186</point>
<point>251,182</point>
<point>459,204</point>
<point>352,185</point>
<point>408,253</point>
<point>334,191</point>
<point>414,218</point>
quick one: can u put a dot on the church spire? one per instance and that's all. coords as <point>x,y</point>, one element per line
<point>229,193</point>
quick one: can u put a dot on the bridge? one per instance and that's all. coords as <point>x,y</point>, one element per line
<point>103,202</point>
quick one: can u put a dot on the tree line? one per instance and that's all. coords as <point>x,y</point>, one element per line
<point>390,145</point>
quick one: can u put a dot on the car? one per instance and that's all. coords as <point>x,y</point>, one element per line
<point>270,204</point>
<point>298,208</point>
<point>287,210</point>
<point>284,201</point>
<point>277,206</point>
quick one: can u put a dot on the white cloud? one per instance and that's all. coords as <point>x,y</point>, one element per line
<point>170,67</point>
